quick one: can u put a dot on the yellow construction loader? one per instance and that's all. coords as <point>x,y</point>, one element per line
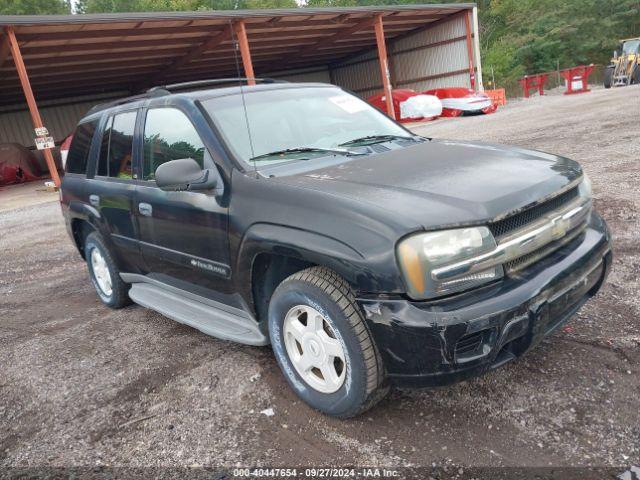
<point>625,64</point>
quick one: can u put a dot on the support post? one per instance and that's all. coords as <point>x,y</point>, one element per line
<point>476,50</point>
<point>245,52</point>
<point>31,101</point>
<point>472,73</point>
<point>384,65</point>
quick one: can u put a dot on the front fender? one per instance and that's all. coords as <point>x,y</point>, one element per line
<point>378,274</point>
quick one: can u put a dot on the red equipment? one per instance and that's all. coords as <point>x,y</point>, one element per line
<point>17,164</point>
<point>577,78</point>
<point>530,82</point>
<point>497,96</point>
<point>458,100</point>
<point>397,96</point>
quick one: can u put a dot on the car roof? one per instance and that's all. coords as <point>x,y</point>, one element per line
<point>159,96</point>
<point>237,89</point>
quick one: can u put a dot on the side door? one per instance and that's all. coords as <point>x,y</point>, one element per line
<point>78,168</point>
<point>111,187</point>
<point>183,235</point>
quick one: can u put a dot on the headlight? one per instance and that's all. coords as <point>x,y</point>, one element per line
<point>585,186</point>
<point>421,254</point>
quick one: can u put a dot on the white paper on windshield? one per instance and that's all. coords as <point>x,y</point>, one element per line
<point>349,104</point>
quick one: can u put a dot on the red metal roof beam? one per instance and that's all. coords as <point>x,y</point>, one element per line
<point>241,34</point>
<point>326,41</point>
<point>211,44</point>
<point>384,65</point>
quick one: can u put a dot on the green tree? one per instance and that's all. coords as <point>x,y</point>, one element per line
<point>34,7</point>
<point>112,6</point>
<point>532,36</point>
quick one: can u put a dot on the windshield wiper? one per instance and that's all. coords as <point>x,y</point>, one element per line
<point>339,151</point>
<point>377,139</point>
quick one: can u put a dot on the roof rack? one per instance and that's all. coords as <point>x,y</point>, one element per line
<point>215,81</point>
<point>154,92</point>
<point>164,90</point>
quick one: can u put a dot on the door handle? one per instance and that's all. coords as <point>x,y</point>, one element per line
<point>145,209</point>
<point>94,200</point>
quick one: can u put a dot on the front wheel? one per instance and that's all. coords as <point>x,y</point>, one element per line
<point>323,345</point>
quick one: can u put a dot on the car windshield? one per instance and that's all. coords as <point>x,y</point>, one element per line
<point>630,47</point>
<point>297,123</point>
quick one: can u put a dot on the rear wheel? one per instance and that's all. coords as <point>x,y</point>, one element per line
<point>608,77</point>
<point>322,344</point>
<point>104,273</point>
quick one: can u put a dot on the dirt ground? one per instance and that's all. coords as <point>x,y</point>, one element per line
<point>84,385</point>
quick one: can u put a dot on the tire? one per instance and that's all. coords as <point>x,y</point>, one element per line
<point>608,77</point>
<point>635,77</point>
<point>117,296</point>
<point>321,290</point>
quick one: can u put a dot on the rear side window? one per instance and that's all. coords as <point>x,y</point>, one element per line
<point>116,149</point>
<point>80,146</point>
<point>169,135</point>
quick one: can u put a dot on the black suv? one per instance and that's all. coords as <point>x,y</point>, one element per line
<point>299,216</point>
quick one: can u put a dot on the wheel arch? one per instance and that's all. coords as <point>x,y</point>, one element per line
<point>268,270</point>
<point>83,219</point>
<point>80,230</point>
<point>270,253</point>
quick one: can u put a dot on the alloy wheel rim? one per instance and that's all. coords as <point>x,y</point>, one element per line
<point>101,272</point>
<point>314,349</point>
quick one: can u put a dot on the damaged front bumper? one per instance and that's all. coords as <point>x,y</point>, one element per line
<point>441,342</point>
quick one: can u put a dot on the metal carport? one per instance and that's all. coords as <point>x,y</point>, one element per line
<point>63,56</point>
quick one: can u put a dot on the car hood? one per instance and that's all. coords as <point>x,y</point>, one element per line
<point>441,183</point>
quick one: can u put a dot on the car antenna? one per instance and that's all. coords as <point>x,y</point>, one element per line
<point>236,46</point>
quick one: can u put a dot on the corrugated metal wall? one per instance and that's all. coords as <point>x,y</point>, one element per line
<point>360,75</point>
<point>436,51</point>
<point>436,57</point>
<point>60,120</point>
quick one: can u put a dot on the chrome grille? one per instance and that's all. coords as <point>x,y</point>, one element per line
<point>522,219</point>
<point>530,258</point>
<point>576,227</point>
<point>548,231</point>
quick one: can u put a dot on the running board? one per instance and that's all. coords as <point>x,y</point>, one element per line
<point>209,319</point>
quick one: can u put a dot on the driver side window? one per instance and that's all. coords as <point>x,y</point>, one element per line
<point>169,135</point>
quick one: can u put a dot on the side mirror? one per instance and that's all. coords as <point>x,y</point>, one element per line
<point>185,174</point>
<point>615,54</point>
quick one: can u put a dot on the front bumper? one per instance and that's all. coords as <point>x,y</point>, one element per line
<point>441,342</point>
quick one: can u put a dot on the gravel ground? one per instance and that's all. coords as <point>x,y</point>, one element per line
<point>82,385</point>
